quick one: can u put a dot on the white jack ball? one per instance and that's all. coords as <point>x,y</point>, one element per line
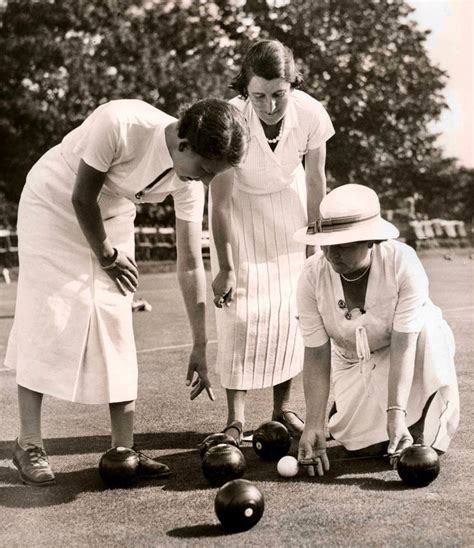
<point>287,467</point>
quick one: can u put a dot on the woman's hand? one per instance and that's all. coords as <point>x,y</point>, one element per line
<point>124,273</point>
<point>198,364</point>
<point>312,452</point>
<point>223,288</point>
<point>398,433</point>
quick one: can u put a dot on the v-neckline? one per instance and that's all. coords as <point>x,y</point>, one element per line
<point>372,283</point>
<point>262,138</point>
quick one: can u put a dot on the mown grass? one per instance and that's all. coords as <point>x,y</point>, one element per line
<point>362,503</point>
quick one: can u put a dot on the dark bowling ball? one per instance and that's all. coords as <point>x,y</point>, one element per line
<point>271,440</point>
<point>239,505</point>
<point>215,439</point>
<point>118,467</point>
<point>418,465</point>
<point>223,463</point>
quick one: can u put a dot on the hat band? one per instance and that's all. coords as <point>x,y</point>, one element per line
<point>339,223</point>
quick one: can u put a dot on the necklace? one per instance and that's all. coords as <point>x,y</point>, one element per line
<point>360,276</point>
<point>277,138</point>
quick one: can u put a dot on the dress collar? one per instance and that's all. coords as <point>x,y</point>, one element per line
<point>162,154</point>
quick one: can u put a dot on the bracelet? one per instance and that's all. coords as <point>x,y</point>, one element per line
<point>115,260</point>
<point>396,408</point>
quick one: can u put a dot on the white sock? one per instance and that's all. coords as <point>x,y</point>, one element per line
<point>32,439</point>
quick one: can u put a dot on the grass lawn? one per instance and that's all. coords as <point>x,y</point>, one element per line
<point>359,503</point>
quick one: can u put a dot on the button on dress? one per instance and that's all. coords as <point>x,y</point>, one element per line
<point>72,335</point>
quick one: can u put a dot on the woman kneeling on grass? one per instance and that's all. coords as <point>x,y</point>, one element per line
<point>367,321</point>
<point>72,336</point>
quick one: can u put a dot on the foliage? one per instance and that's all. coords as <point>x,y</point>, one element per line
<point>364,59</point>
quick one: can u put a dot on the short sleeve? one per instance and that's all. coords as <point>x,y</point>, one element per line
<point>102,139</point>
<point>413,292</point>
<point>321,127</point>
<point>310,320</point>
<point>189,202</point>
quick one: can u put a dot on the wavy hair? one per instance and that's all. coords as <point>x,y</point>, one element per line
<point>215,130</point>
<point>268,59</point>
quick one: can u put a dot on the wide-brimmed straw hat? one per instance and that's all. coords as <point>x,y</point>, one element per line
<point>349,213</point>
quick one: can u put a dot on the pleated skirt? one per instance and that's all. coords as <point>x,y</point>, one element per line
<point>259,343</point>
<point>72,335</point>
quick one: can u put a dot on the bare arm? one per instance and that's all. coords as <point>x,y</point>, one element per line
<point>85,194</point>
<point>192,281</point>
<point>316,379</point>
<point>315,163</point>
<point>400,379</point>
<point>221,192</point>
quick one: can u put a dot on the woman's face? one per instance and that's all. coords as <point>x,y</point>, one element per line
<point>269,98</point>
<point>347,258</point>
<point>190,166</point>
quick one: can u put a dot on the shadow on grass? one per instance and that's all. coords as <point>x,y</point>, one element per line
<point>185,466</point>
<point>98,444</point>
<point>186,469</point>
<point>198,531</point>
<point>69,486</point>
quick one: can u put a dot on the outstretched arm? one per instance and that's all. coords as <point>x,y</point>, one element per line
<point>400,379</point>
<point>316,375</point>
<point>192,281</point>
<point>223,284</point>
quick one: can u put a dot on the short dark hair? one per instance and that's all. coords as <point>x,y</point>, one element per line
<point>215,130</point>
<point>268,59</point>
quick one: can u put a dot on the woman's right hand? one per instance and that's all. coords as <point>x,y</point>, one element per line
<point>398,433</point>
<point>124,274</point>
<point>223,288</point>
<point>312,452</point>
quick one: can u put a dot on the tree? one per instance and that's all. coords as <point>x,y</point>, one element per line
<point>365,60</point>
<point>62,59</point>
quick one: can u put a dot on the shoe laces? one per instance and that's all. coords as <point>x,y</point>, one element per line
<point>140,453</point>
<point>38,456</point>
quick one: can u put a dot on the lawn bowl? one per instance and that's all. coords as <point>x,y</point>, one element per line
<point>215,439</point>
<point>223,463</point>
<point>271,441</point>
<point>118,467</point>
<point>418,465</point>
<point>239,505</point>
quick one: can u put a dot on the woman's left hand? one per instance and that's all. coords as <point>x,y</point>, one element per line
<point>198,365</point>
<point>124,274</point>
<point>398,433</point>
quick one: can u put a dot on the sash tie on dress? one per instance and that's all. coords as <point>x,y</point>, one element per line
<point>363,352</point>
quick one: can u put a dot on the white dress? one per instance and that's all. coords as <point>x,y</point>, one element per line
<point>396,299</point>
<point>259,344</point>
<point>72,335</point>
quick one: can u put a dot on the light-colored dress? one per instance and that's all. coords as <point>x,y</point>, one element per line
<point>72,335</point>
<point>259,344</point>
<point>396,299</point>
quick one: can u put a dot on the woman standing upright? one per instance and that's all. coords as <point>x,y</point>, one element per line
<point>255,261</point>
